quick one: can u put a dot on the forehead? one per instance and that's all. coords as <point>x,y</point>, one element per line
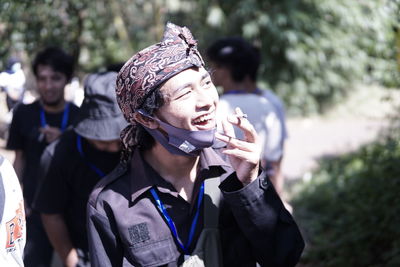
<point>185,78</point>
<point>43,70</point>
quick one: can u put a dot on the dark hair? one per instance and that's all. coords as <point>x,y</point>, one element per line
<point>236,54</point>
<point>115,66</point>
<point>55,58</point>
<point>153,102</point>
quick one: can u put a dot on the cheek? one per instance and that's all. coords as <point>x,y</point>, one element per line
<point>40,85</point>
<point>214,95</point>
<point>183,111</point>
<point>176,115</point>
<point>60,86</point>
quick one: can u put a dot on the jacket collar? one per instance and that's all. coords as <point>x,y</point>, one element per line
<point>143,177</point>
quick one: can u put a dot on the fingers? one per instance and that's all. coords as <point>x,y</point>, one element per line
<point>240,120</point>
<point>233,142</point>
<point>50,133</point>
<point>228,129</point>
<point>248,156</point>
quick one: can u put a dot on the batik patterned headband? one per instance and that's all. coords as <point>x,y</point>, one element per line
<point>148,69</point>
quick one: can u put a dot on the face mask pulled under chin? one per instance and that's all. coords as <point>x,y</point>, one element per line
<point>180,141</point>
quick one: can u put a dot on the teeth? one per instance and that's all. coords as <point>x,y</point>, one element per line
<point>203,118</point>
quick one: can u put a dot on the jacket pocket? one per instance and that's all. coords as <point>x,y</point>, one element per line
<point>155,253</point>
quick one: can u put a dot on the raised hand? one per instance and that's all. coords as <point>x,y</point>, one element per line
<point>244,155</point>
<point>50,133</point>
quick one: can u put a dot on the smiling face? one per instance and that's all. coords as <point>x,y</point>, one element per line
<point>50,85</point>
<point>191,100</point>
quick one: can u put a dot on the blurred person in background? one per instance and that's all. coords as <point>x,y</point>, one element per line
<point>77,161</point>
<point>235,63</point>
<point>12,217</point>
<point>12,81</point>
<point>33,127</point>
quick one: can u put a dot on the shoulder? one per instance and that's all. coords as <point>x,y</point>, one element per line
<point>25,109</point>
<point>7,172</point>
<point>111,181</point>
<point>243,99</point>
<point>273,98</point>
<point>73,107</point>
<point>254,105</point>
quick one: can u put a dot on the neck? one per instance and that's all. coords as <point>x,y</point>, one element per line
<point>180,171</point>
<point>54,108</point>
<point>245,86</point>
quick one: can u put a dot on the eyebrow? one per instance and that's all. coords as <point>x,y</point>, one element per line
<point>205,75</point>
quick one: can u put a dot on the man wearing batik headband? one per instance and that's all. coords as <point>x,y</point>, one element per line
<point>173,200</point>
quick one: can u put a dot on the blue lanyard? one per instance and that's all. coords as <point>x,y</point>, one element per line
<point>64,121</point>
<point>234,92</point>
<point>91,165</point>
<point>171,224</point>
<point>238,92</point>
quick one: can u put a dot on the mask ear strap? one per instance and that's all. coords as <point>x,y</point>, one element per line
<point>144,113</point>
<point>147,115</point>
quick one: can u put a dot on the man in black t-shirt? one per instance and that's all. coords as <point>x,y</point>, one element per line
<point>80,158</point>
<point>33,127</point>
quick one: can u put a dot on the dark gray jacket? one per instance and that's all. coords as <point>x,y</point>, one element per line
<point>126,229</point>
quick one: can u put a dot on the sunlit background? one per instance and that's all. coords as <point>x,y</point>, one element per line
<point>335,63</point>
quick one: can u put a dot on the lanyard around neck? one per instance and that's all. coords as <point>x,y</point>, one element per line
<point>171,224</point>
<point>64,121</point>
<point>91,165</point>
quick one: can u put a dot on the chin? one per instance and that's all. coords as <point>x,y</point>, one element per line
<point>208,126</point>
<point>53,103</point>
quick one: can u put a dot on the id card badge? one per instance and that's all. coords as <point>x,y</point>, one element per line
<point>192,261</point>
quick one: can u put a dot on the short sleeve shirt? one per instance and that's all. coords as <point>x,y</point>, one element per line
<point>280,109</point>
<point>66,187</point>
<point>25,135</point>
<point>262,115</point>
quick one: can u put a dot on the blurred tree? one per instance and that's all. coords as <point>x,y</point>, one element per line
<point>312,49</point>
<point>349,210</point>
<point>96,33</point>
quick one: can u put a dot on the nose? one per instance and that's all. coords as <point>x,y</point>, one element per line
<point>206,98</point>
<point>47,84</point>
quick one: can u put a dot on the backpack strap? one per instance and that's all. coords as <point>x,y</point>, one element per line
<point>212,198</point>
<point>208,248</point>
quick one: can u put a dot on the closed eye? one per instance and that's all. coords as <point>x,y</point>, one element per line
<point>207,82</point>
<point>185,93</point>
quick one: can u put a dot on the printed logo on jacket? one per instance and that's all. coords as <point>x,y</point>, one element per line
<point>15,228</point>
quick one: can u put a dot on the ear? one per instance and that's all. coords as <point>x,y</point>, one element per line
<point>146,121</point>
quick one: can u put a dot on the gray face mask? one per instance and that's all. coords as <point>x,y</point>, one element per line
<point>180,141</point>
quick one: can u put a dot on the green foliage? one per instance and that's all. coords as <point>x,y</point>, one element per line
<point>96,33</point>
<point>350,210</point>
<point>312,49</point>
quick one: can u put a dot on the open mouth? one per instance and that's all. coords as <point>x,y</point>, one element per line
<point>204,120</point>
